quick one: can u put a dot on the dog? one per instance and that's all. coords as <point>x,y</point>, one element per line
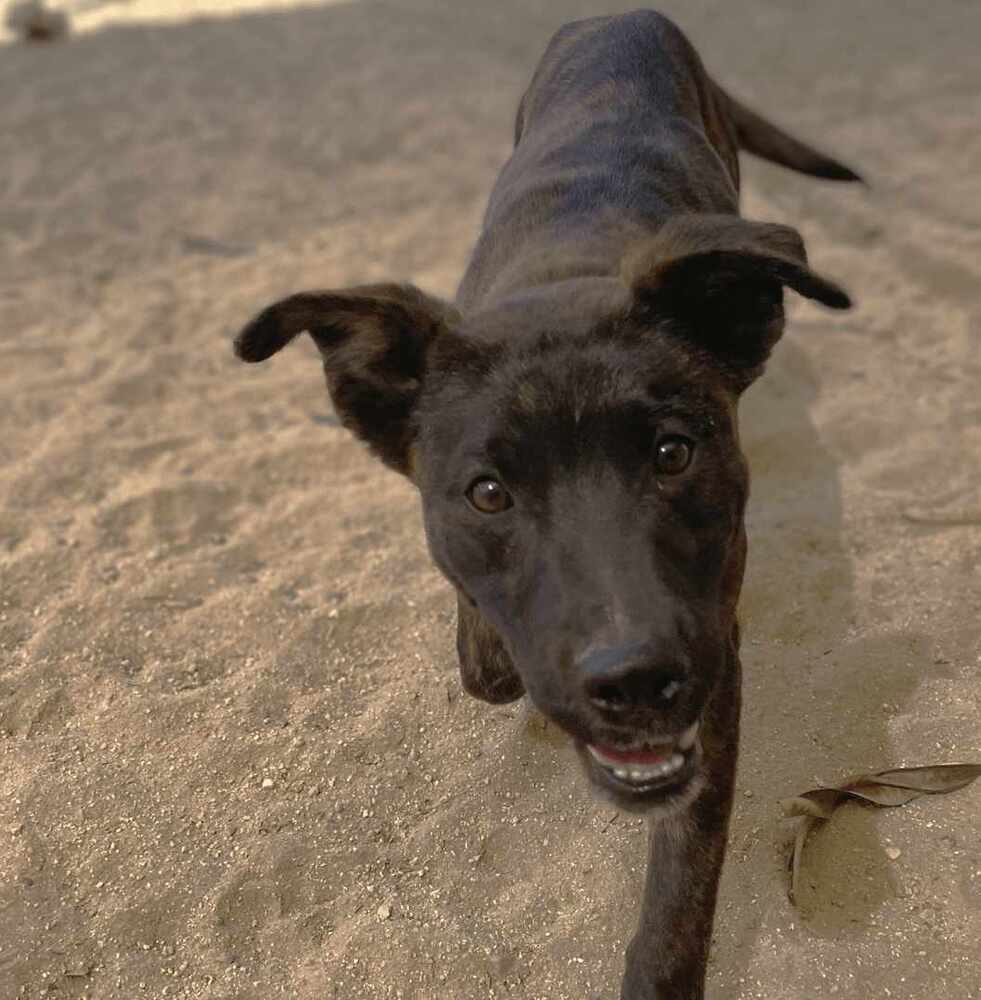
<point>570,423</point>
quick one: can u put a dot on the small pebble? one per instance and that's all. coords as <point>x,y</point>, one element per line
<point>384,911</point>
<point>892,853</point>
<point>267,782</point>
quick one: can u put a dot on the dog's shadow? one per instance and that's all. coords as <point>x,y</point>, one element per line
<point>821,682</point>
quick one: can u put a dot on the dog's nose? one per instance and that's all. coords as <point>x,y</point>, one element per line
<point>626,679</point>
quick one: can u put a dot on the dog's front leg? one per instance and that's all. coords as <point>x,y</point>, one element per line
<point>667,957</point>
<point>485,666</point>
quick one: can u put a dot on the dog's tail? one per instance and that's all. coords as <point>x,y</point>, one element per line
<point>762,138</point>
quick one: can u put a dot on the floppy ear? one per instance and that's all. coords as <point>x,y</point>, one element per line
<point>719,280</point>
<point>376,341</point>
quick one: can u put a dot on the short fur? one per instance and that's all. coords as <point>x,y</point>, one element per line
<point>615,304</point>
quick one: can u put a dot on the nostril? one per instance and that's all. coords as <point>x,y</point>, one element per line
<point>640,687</point>
<point>606,695</point>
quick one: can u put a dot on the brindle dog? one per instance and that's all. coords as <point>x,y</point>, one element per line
<point>570,424</point>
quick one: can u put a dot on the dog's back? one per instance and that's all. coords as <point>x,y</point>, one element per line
<point>620,129</point>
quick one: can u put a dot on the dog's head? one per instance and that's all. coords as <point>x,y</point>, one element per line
<point>577,455</point>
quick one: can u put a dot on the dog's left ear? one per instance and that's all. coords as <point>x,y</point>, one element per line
<point>376,342</point>
<point>718,280</point>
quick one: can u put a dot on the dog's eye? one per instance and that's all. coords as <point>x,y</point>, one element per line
<point>489,496</point>
<point>673,455</point>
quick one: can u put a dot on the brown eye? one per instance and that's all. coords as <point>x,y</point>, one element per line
<point>672,455</point>
<point>489,496</point>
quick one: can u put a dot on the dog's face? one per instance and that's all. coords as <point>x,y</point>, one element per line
<point>586,497</point>
<point>576,451</point>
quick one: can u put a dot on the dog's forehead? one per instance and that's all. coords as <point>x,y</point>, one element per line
<point>575,387</point>
<point>598,371</point>
<point>566,373</point>
<point>562,399</point>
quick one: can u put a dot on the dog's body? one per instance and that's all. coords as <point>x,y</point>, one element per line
<point>571,428</point>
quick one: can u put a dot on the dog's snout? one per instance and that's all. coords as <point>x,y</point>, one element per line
<point>627,679</point>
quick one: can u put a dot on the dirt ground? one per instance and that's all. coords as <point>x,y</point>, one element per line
<point>235,761</point>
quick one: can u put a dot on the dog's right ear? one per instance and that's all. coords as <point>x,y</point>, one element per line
<point>376,342</point>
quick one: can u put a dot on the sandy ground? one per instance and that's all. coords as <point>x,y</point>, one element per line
<point>234,757</point>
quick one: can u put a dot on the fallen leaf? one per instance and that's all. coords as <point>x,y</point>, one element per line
<point>884,789</point>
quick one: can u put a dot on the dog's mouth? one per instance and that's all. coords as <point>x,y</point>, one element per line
<point>647,772</point>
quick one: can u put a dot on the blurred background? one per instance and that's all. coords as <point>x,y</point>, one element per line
<point>235,760</point>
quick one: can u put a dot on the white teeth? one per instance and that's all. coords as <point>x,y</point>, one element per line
<point>642,774</point>
<point>687,739</point>
<point>636,774</point>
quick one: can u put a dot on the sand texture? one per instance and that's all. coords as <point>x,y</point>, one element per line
<point>235,760</point>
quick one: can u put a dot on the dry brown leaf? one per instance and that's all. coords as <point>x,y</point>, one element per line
<point>883,789</point>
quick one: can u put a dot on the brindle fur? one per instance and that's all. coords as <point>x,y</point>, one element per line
<point>614,295</point>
